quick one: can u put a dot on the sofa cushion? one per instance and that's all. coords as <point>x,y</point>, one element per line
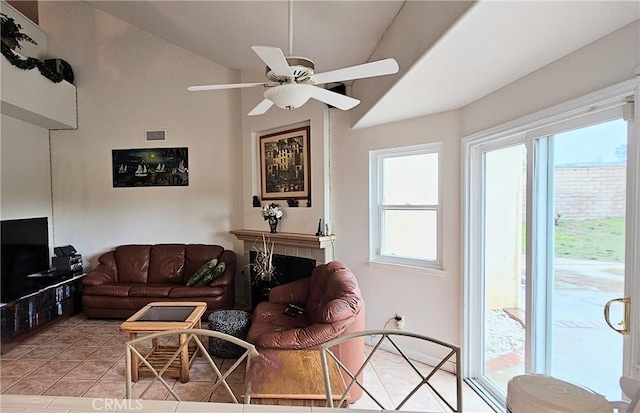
<point>150,290</point>
<point>109,289</point>
<point>194,292</point>
<point>202,272</point>
<point>215,273</point>
<point>166,263</point>
<point>133,263</point>
<point>196,255</point>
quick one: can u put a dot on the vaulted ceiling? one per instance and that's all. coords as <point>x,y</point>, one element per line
<point>451,53</point>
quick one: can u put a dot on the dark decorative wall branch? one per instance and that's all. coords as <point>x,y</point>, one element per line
<point>11,38</point>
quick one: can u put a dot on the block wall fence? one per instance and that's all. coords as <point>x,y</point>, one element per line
<point>590,192</point>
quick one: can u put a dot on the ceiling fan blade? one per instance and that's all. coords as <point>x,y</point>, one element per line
<point>261,108</point>
<point>274,58</point>
<point>371,69</point>
<point>228,86</point>
<point>335,99</point>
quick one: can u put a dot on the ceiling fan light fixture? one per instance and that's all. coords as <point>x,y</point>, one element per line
<point>290,96</point>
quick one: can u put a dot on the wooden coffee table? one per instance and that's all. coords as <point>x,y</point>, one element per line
<point>163,316</point>
<point>292,378</point>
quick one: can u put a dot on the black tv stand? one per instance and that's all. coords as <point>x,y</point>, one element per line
<point>56,298</point>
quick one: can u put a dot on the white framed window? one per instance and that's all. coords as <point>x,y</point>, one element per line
<point>405,206</point>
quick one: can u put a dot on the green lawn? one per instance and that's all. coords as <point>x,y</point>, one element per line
<point>598,240</point>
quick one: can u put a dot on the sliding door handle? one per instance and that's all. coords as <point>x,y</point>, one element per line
<point>626,302</point>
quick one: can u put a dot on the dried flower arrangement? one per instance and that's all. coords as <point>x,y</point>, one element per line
<point>263,263</point>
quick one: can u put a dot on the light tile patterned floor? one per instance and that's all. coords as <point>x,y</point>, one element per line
<point>85,357</point>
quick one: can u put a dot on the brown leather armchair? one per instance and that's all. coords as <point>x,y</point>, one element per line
<point>334,306</point>
<point>132,276</point>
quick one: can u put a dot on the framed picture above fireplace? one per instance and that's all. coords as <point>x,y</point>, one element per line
<point>285,164</point>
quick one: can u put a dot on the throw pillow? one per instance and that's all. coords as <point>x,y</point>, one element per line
<point>215,273</point>
<point>202,272</point>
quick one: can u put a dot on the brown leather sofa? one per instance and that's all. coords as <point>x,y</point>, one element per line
<point>334,306</point>
<point>132,276</point>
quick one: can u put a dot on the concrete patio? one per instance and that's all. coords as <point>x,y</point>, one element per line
<point>586,351</point>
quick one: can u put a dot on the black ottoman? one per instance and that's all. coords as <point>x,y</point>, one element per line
<point>233,322</point>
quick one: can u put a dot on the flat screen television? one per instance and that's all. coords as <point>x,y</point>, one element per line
<point>25,251</point>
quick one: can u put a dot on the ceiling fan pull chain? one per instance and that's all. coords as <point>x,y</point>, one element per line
<point>290,27</point>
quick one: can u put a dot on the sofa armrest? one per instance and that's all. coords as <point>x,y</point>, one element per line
<point>300,338</point>
<point>295,292</point>
<point>105,272</point>
<point>102,274</point>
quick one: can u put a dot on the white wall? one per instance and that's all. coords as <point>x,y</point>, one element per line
<point>130,81</point>
<point>25,173</point>
<point>430,300</point>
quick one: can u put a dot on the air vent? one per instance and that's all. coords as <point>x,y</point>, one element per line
<point>156,135</point>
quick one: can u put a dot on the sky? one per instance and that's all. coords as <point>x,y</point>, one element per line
<point>594,144</point>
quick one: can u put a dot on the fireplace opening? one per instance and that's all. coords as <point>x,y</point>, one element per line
<point>286,269</point>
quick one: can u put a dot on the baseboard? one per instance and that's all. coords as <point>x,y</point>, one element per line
<point>428,359</point>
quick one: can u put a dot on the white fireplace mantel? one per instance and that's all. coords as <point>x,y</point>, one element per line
<point>287,243</point>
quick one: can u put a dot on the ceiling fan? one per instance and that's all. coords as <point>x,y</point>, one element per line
<point>292,80</point>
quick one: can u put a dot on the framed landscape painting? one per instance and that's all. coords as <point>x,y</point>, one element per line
<point>150,167</point>
<point>285,164</point>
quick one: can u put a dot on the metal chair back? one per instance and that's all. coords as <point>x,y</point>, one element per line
<point>192,336</point>
<point>388,340</point>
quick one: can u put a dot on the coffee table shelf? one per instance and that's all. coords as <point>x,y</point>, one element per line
<point>159,356</point>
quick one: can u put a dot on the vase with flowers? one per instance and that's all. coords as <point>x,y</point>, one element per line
<point>272,213</point>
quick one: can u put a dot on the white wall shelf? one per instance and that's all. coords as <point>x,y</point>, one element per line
<point>28,96</point>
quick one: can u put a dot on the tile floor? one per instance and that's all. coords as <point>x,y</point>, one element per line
<point>85,357</point>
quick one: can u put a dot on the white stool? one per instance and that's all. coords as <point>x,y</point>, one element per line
<point>537,393</point>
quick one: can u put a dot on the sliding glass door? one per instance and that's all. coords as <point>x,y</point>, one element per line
<point>551,246</point>
<point>586,264</point>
